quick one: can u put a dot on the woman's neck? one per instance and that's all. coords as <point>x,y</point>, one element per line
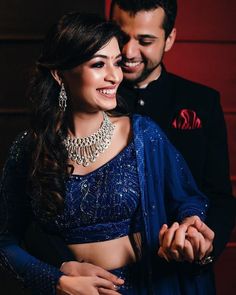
<point>85,124</point>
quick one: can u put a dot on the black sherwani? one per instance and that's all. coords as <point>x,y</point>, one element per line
<point>205,148</point>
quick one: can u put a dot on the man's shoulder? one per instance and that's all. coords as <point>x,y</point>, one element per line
<point>184,85</point>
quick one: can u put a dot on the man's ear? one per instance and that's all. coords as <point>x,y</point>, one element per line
<point>57,76</point>
<point>170,40</point>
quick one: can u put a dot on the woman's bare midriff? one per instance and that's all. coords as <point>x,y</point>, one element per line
<point>109,255</point>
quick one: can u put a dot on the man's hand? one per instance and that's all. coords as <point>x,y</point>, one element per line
<point>205,247</point>
<point>191,240</point>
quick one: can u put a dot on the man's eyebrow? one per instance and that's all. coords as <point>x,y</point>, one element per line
<point>146,36</point>
<point>105,56</point>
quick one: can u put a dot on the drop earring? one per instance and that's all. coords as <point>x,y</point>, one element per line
<point>62,98</point>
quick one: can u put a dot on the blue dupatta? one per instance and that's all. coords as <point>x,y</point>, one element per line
<point>168,194</point>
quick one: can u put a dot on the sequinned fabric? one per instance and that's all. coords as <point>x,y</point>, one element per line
<point>15,215</point>
<point>146,185</point>
<point>103,204</point>
<point>168,193</point>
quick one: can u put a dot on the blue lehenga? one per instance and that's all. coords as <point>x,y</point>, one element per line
<point>144,186</point>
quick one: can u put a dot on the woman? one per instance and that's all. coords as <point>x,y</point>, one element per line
<point>105,183</point>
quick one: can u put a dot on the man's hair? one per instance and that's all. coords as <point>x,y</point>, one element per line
<point>134,6</point>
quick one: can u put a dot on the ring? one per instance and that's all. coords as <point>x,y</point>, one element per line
<point>205,260</point>
<point>116,287</point>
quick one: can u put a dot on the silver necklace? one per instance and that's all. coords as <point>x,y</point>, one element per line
<point>85,150</point>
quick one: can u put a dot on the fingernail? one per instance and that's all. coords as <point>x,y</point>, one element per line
<point>120,281</point>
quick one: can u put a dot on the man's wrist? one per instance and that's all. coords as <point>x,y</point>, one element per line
<point>205,261</point>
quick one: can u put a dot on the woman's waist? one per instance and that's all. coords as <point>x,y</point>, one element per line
<point>99,232</point>
<point>110,254</point>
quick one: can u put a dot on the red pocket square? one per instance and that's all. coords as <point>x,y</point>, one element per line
<point>187,119</point>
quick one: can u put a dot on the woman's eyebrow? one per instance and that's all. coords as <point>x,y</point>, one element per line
<point>105,56</point>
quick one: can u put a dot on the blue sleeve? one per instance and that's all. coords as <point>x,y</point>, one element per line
<point>15,215</point>
<point>184,199</point>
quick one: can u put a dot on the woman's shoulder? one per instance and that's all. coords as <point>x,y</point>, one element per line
<point>17,160</point>
<point>20,146</point>
<point>145,124</point>
<point>121,122</point>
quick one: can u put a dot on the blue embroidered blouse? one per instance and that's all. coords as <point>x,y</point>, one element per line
<point>102,205</point>
<point>166,193</point>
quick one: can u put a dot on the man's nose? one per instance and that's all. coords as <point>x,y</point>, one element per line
<point>131,49</point>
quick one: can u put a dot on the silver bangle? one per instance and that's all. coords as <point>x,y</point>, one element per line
<point>204,261</point>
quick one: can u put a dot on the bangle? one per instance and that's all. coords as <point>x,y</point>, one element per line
<point>204,261</point>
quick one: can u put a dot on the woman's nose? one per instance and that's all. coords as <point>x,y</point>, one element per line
<point>114,74</point>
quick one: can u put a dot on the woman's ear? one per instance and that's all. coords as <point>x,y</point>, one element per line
<point>57,76</point>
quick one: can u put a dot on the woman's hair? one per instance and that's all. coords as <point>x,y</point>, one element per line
<point>72,41</point>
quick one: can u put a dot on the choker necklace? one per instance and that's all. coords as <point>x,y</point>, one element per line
<point>85,150</point>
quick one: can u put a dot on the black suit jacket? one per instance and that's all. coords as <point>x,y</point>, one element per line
<point>205,149</point>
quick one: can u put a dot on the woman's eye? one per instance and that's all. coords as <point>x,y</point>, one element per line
<point>98,64</point>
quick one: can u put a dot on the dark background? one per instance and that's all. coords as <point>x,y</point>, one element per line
<point>205,51</point>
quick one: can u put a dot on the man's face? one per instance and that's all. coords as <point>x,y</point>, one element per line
<point>145,44</point>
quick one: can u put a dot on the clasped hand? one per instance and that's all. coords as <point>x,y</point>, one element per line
<point>85,278</point>
<point>189,241</point>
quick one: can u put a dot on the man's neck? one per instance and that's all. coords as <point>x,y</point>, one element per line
<point>154,75</point>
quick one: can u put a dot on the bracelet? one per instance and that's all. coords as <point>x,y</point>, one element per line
<point>204,261</point>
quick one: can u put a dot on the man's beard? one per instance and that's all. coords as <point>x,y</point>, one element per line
<point>143,75</point>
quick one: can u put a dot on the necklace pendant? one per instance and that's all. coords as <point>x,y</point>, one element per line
<point>85,150</point>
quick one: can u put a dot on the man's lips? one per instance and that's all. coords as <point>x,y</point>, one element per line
<point>131,66</point>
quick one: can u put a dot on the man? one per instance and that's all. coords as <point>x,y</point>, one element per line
<point>188,112</point>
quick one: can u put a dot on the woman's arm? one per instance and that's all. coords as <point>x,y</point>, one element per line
<point>190,239</point>
<point>15,215</point>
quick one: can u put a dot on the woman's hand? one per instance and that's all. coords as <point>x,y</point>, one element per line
<point>84,285</point>
<point>74,268</point>
<point>191,240</point>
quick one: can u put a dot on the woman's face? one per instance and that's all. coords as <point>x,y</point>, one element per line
<point>92,85</point>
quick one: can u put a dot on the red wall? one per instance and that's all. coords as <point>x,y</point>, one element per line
<point>205,51</point>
